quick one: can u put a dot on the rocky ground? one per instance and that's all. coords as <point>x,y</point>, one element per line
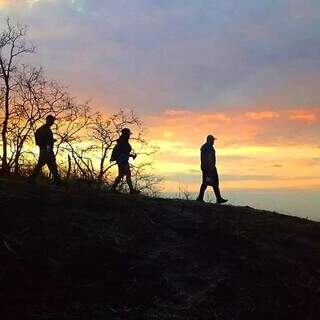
<point>82,254</point>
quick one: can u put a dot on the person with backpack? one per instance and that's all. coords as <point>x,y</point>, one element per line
<point>121,154</point>
<point>45,141</point>
<point>209,171</point>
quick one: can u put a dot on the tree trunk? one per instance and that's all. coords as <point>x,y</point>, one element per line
<point>69,168</point>
<point>16,164</point>
<point>4,166</point>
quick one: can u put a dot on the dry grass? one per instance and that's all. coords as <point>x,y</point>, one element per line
<point>84,254</point>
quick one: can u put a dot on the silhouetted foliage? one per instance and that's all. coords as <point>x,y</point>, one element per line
<point>12,46</point>
<point>84,138</point>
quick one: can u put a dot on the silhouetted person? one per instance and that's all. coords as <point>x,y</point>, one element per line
<point>121,154</point>
<point>45,141</point>
<point>209,170</point>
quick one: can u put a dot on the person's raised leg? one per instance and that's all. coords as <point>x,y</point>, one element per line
<point>218,195</point>
<point>217,192</point>
<point>129,181</point>
<point>215,186</point>
<point>52,165</point>
<point>130,184</point>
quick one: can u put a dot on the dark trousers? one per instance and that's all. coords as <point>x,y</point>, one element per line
<point>210,178</point>
<point>124,170</point>
<point>46,157</point>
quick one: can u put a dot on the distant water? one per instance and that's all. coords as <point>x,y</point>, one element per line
<point>300,203</point>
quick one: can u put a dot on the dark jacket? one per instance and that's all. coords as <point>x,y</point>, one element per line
<point>121,151</point>
<point>44,136</point>
<point>208,157</point>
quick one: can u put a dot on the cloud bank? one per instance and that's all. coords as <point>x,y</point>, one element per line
<point>246,71</point>
<point>151,54</point>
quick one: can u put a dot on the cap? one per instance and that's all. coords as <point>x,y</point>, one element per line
<point>126,131</point>
<point>211,137</point>
<point>50,117</point>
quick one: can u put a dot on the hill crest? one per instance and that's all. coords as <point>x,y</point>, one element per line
<point>96,255</point>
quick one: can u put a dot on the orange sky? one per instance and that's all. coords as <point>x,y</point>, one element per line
<point>246,72</point>
<point>261,149</point>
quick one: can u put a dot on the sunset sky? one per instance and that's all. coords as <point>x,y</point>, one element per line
<point>245,71</point>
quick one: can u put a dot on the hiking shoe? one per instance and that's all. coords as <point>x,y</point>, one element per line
<point>221,200</point>
<point>200,200</point>
<point>135,191</point>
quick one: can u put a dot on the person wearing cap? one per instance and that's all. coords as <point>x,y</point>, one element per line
<point>121,154</point>
<point>45,141</point>
<point>209,171</point>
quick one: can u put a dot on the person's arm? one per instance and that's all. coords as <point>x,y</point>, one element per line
<point>50,139</point>
<point>47,139</point>
<point>131,153</point>
<point>205,160</point>
<point>208,160</point>
<point>214,157</point>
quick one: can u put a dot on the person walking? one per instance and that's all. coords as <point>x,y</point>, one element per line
<point>209,171</point>
<point>45,141</point>
<point>121,154</point>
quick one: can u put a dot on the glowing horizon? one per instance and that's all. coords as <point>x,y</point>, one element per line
<point>246,72</point>
<point>250,152</point>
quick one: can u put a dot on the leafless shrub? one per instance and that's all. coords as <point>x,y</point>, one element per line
<point>84,139</point>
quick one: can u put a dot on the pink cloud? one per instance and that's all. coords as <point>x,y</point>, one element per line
<point>262,115</point>
<point>303,115</point>
<point>177,113</point>
<point>237,128</point>
<point>214,117</point>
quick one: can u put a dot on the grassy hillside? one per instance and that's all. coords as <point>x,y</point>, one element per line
<point>82,254</point>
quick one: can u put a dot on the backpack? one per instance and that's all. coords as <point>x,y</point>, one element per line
<point>115,153</point>
<point>37,137</point>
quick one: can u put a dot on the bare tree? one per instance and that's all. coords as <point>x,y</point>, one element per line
<point>144,179</point>
<point>28,107</point>
<point>12,46</point>
<point>92,155</point>
<point>33,98</point>
<point>27,97</point>
<point>71,130</point>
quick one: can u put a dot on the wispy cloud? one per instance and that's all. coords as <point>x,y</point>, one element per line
<point>305,115</point>
<point>255,149</point>
<point>246,71</point>
<point>153,54</point>
<point>262,115</point>
<point>240,127</point>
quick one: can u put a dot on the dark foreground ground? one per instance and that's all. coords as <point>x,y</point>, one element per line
<point>79,254</point>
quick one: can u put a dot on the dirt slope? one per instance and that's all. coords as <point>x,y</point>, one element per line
<point>82,254</point>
